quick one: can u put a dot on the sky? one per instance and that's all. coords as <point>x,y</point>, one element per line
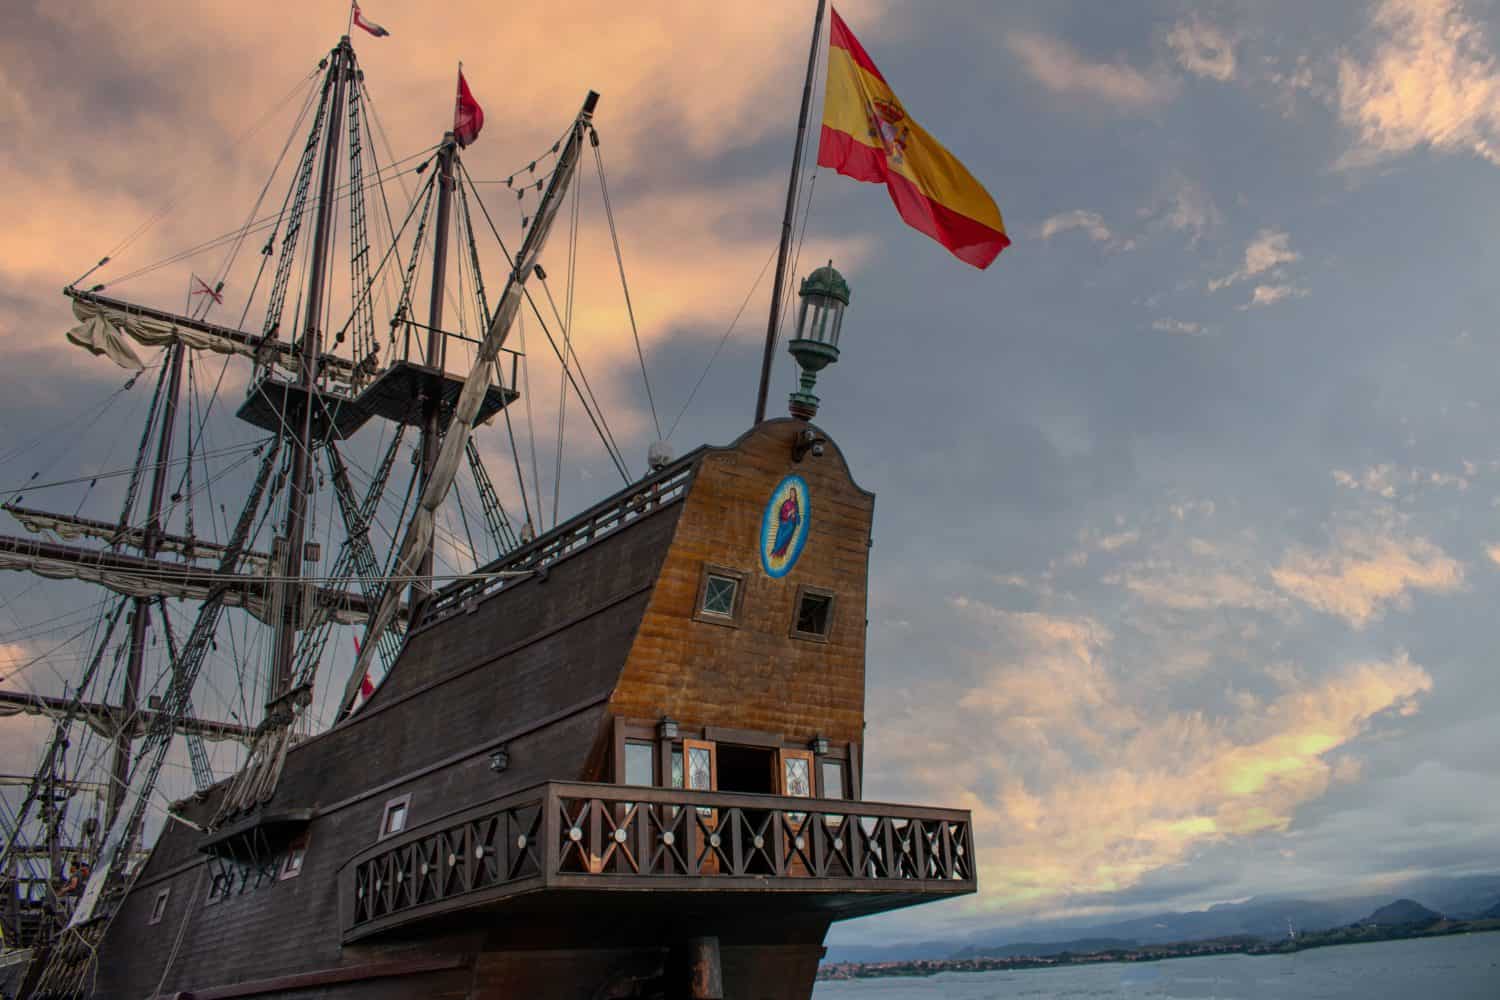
<point>1185,550</point>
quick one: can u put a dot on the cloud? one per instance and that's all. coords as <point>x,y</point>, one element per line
<point>1377,479</point>
<point>1090,223</point>
<point>1429,81</point>
<point>1168,586</point>
<point>658,125</point>
<point>1270,249</point>
<point>1390,482</point>
<point>1203,49</point>
<point>1062,69</point>
<point>1365,571</point>
<point>1184,206</point>
<point>1269,295</point>
<point>1180,327</point>
<point>1081,781</point>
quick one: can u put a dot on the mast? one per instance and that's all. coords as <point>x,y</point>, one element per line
<point>786,221</point>
<point>125,735</point>
<point>296,512</point>
<point>431,430</point>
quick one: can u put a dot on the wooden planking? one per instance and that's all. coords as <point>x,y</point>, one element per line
<point>756,676</point>
<point>529,651</point>
<point>614,617</point>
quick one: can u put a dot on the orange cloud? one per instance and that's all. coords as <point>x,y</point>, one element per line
<point>1367,570</point>
<point>682,84</point>
<point>1430,81</point>
<point>1079,783</point>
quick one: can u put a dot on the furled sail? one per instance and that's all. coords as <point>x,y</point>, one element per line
<point>107,327</point>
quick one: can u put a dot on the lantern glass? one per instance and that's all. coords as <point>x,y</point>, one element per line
<point>821,318</point>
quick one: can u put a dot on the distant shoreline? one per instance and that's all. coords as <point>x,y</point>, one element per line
<point>1353,934</point>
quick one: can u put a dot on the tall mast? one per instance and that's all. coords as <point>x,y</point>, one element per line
<point>431,431</point>
<point>150,545</point>
<point>312,339</point>
<point>786,221</point>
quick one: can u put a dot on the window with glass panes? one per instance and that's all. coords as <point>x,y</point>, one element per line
<point>719,594</point>
<point>640,763</point>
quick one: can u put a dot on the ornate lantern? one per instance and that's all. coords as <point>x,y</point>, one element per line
<point>824,295</point>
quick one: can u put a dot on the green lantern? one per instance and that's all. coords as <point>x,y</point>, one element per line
<point>824,295</point>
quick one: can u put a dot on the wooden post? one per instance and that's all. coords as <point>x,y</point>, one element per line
<point>705,971</point>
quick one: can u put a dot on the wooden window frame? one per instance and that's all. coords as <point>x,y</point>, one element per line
<point>159,906</point>
<point>731,620</point>
<point>804,590</point>
<point>301,842</point>
<point>385,817</point>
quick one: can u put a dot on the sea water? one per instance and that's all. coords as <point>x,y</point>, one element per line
<point>1460,967</point>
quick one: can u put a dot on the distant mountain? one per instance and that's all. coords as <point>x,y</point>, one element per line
<point>1402,913</point>
<point>1046,949</point>
<point>1465,897</point>
<point>1493,913</point>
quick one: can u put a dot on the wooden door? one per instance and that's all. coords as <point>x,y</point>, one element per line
<point>700,772</point>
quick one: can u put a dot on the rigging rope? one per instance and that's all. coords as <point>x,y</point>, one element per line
<point>614,236</point>
<point>531,301</point>
<point>722,340</point>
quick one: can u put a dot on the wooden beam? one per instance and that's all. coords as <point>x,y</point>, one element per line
<point>132,536</point>
<point>104,719</point>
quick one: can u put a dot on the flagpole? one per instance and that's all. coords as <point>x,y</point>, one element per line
<point>786,222</point>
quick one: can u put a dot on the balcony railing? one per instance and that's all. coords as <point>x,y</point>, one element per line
<point>603,837</point>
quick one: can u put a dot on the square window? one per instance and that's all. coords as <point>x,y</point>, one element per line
<point>159,908</point>
<point>814,614</point>
<point>721,592</point>
<point>394,820</point>
<point>640,763</point>
<point>718,595</point>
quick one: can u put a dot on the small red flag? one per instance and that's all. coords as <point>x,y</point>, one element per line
<point>468,116</point>
<point>360,21</point>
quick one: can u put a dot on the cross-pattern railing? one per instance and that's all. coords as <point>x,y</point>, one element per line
<point>568,835</point>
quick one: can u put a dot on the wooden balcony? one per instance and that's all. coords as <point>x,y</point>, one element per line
<point>698,850</point>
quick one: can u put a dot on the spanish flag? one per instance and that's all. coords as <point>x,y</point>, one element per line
<point>868,135</point>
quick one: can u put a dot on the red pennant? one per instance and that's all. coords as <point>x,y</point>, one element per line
<point>468,116</point>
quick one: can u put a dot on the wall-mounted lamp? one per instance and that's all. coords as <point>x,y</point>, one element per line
<point>499,758</point>
<point>666,729</point>
<point>818,744</point>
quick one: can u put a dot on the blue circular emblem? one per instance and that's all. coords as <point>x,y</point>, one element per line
<point>783,527</point>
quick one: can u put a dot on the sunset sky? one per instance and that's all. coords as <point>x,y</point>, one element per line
<point>1186,553</point>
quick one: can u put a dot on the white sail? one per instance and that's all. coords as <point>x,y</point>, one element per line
<point>107,331</point>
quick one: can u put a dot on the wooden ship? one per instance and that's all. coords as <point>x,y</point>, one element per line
<point>622,757</point>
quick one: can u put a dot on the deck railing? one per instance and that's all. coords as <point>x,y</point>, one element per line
<point>581,836</point>
<point>650,494</point>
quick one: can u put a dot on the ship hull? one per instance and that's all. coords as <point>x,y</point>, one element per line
<point>508,815</point>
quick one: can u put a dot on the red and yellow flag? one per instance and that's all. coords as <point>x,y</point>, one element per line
<point>868,135</point>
